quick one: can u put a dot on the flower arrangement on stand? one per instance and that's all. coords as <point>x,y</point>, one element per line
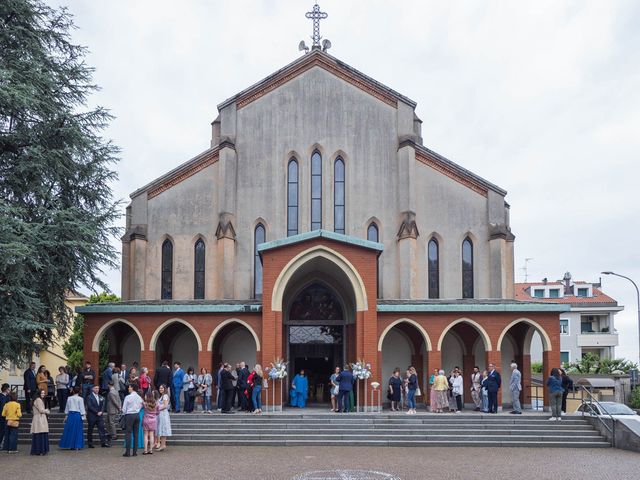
<point>361,371</point>
<point>277,371</point>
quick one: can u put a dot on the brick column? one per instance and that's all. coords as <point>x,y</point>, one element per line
<point>468,362</point>
<point>148,359</point>
<point>434,360</point>
<point>495,357</point>
<point>525,369</point>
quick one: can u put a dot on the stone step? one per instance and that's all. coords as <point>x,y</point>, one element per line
<point>366,430</point>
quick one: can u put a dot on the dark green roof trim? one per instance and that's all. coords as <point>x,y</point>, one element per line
<point>474,307</point>
<point>170,308</point>
<point>338,237</point>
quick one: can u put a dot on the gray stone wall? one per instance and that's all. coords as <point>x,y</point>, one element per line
<point>316,110</point>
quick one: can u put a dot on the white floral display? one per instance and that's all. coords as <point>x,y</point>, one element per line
<point>361,370</point>
<point>278,369</point>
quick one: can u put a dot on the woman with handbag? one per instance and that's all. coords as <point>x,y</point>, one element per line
<point>40,426</point>
<point>335,389</point>
<point>256,392</point>
<point>12,413</point>
<point>189,390</point>
<point>164,420</point>
<point>205,380</point>
<point>412,387</point>
<point>395,390</point>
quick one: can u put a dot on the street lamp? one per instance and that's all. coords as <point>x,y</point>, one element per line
<point>637,300</point>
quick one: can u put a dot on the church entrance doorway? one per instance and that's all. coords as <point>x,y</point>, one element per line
<point>315,338</point>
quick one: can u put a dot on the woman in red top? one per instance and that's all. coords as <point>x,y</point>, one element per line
<point>144,381</point>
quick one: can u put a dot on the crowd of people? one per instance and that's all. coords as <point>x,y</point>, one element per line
<point>129,399</point>
<point>447,392</point>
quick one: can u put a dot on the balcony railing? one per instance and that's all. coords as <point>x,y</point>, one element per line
<point>598,339</point>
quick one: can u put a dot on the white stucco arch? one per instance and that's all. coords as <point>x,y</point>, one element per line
<point>329,254</point>
<point>160,329</point>
<point>227,322</point>
<point>95,345</point>
<point>481,331</point>
<point>423,332</point>
<point>546,340</point>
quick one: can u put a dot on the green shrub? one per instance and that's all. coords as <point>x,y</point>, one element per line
<point>536,367</point>
<point>634,398</point>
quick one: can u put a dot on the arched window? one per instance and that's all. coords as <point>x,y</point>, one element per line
<point>198,284</point>
<point>467,268</point>
<point>434,268</point>
<point>338,196</point>
<point>372,236</point>
<point>372,232</point>
<point>292,198</point>
<point>316,191</point>
<point>167,270</point>
<point>258,238</point>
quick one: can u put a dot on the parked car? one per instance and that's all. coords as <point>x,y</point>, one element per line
<point>616,410</point>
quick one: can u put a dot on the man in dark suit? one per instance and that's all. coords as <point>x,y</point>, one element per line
<point>493,385</point>
<point>226,387</point>
<point>30,386</point>
<point>243,375</point>
<point>95,417</point>
<point>106,378</point>
<point>345,386</point>
<point>4,398</point>
<point>163,376</point>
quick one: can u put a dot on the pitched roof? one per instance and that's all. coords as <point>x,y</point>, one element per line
<point>599,298</point>
<point>302,237</point>
<point>317,58</point>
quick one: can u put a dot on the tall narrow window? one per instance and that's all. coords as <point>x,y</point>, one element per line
<point>338,196</point>
<point>467,268</point>
<point>316,191</point>
<point>292,198</point>
<point>198,284</point>
<point>372,236</point>
<point>258,238</point>
<point>167,270</point>
<point>372,233</point>
<point>434,268</point>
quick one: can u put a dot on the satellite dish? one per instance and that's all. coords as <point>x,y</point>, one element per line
<point>303,47</point>
<point>326,45</point>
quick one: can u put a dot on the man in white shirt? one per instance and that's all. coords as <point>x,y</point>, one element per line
<point>131,410</point>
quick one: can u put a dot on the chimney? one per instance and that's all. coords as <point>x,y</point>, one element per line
<point>567,283</point>
<point>545,280</point>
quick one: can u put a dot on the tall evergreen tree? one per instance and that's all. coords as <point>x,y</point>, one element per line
<point>56,205</point>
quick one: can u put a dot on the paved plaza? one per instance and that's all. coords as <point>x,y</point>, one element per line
<point>328,463</point>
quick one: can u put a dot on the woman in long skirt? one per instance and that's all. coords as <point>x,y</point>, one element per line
<point>73,435</point>
<point>441,386</point>
<point>164,421</point>
<point>40,426</point>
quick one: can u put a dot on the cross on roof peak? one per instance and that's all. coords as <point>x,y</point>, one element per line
<point>316,15</point>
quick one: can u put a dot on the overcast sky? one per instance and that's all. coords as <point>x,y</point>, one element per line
<point>541,98</point>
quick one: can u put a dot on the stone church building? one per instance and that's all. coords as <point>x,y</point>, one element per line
<point>319,228</point>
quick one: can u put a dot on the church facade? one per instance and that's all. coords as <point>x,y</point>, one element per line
<point>318,228</point>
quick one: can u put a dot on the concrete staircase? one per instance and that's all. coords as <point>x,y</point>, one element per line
<point>324,429</point>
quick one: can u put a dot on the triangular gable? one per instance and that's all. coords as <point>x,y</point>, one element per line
<point>317,58</point>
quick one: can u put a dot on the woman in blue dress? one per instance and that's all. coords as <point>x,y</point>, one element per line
<point>73,435</point>
<point>299,390</point>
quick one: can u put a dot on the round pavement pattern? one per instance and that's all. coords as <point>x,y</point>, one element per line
<point>345,475</point>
